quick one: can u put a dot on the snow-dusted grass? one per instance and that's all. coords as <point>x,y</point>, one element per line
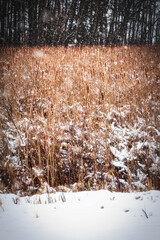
<point>95,215</point>
<point>84,116</point>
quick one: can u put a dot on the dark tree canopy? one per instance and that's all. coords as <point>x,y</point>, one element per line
<point>79,22</point>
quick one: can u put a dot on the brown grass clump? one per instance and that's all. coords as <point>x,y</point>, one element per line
<point>84,116</point>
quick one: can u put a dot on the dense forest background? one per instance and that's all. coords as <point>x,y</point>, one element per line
<point>79,22</point>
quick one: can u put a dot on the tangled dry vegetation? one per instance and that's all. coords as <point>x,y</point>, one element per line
<point>83,118</point>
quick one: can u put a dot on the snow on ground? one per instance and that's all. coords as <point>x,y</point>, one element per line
<point>95,215</point>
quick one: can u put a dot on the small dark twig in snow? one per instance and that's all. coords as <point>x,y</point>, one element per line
<point>63,198</point>
<point>16,200</point>
<point>145,213</point>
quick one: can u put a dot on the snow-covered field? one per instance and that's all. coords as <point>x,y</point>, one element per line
<point>94,215</point>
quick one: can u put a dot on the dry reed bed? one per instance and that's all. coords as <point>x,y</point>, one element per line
<point>86,118</point>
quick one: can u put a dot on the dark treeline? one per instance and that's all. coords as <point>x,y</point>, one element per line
<point>79,22</point>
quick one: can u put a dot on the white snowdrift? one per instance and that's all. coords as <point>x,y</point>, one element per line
<point>95,215</point>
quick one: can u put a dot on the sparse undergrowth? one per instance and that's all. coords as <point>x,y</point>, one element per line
<point>83,118</point>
